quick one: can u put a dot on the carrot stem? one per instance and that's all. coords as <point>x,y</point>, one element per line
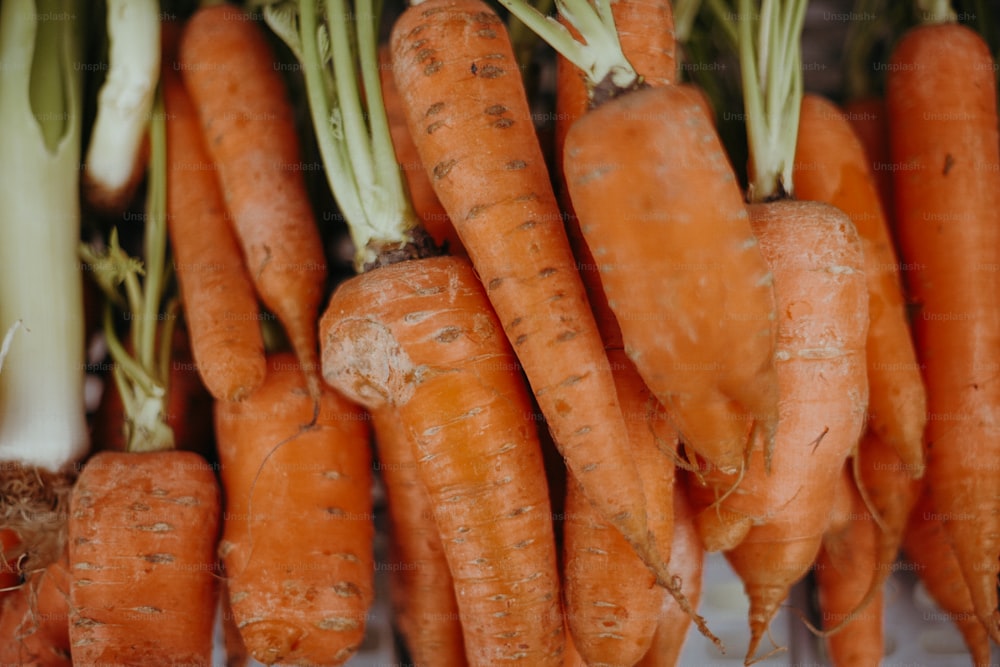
<point>933,12</point>
<point>771,71</point>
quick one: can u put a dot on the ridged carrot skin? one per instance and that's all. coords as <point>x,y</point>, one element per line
<point>421,588</point>
<point>941,101</point>
<point>831,167</point>
<point>34,619</point>
<point>688,284</point>
<point>143,528</point>
<point>301,599</point>
<point>778,518</point>
<point>421,337</point>
<point>249,127</point>
<point>220,305</point>
<point>470,119</point>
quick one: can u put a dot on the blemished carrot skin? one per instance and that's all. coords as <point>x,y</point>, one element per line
<point>830,166</point>
<point>422,196</point>
<point>143,529</point>
<point>941,101</point>
<point>867,116</point>
<point>421,337</point>
<point>34,619</point>
<point>303,598</point>
<point>687,556</point>
<point>220,305</point>
<point>421,587</point>
<point>927,548</point>
<point>847,563</point>
<point>473,128</point>
<point>612,600</point>
<point>249,127</point>
<point>771,523</point>
<point>687,283</point>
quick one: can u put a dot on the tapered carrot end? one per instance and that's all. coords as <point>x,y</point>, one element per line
<point>721,530</point>
<point>764,604</point>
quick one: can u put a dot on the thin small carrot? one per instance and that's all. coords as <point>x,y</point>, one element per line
<point>218,297</point>
<point>845,566</point>
<point>142,536</point>
<point>452,377</point>
<point>422,195</point>
<point>830,167</point>
<point>687,555</point>
<point>421,586</point>
<point>34,619</point>
<point>470,119</point>
<point>302,598</point>
<point>942,113</point>
<point>249,127</point>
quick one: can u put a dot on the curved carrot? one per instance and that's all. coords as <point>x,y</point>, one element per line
<point>772,523</point>
<point>220,305</point>
<point>927,546</point>
<point>249,128</point>
<point>142,537</point>
<point>422,195</point>
<point>420,337</point>
<point>687,554</point>
<point>712,366</point>
<point>941,101</point>
<point>830,167</point>
<point>470,119</point>
<point>423,594</point>
<point>303,598</point>
<point>849,553</point>
<point>34,619</point>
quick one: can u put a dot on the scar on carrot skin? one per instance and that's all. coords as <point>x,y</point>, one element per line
<point>819,438</point>
<point>949,162</point>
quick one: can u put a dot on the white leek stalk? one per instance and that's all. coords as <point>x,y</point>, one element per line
<point>114,163</point>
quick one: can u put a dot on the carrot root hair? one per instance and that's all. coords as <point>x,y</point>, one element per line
<point>35,503</point>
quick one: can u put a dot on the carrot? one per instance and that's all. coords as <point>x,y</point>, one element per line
<point>250,133</point>
<point>867,116</point>
<point>932,555</point>
<point>612,601</point>
<point>469,117</point>
<point>34,619</point>
<point>303,598</point>
<point>688,555</point>
<point>142,535</point>
<point>772,524</point>
<point>422,591</point>
<point>421,337</point>
<point>846,564</point>
<point>216,290</point>
<point>425,201</point>
<point>942,113</point>
<point>830,167</point>
<point>10,575</point>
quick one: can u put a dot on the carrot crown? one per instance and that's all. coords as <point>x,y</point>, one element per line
<point>599,54</point>
<point>770,53</point>
<point>353,137</point>
<point>142,376</point>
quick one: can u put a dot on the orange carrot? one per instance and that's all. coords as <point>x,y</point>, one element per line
<point>867,116</point>
<point>830,167</point>
<point>612,601</point>
<point>772,524</point>
<point>425,201</point>
<point>942,113</point>
<point>845,567</point>
<point>929,550</point>
<point>469,117</point>
<point>687,554</point>
<point>249,129</point>
<point>422,590</point>
<point>34,619</point>
<point>218,296</point>
<point>303,598</point>
<point>142,536</point>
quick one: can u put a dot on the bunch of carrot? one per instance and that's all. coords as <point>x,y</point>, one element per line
<point>576,376</point>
